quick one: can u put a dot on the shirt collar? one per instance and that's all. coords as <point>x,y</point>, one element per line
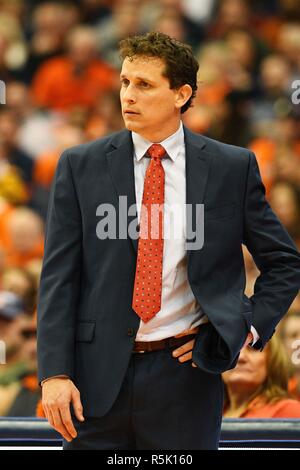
<point>172,144</point>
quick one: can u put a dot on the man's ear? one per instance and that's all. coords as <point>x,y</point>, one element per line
<point>182,95</point>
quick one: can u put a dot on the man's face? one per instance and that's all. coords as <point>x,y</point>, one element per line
<point>149,106</point>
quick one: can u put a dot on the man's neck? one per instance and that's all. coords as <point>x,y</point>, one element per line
<point>161,134</point>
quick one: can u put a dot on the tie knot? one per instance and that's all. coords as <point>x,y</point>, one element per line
<point>156,151</point>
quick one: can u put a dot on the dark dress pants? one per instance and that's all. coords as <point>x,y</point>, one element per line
<point>162,405</point>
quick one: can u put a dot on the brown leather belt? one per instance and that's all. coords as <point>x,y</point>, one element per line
<point>167,343</point>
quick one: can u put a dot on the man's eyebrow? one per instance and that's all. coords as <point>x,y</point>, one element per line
<point>137,78</point>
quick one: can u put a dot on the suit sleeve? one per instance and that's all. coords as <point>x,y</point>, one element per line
<point>60,278</point>
<point>275,256</point>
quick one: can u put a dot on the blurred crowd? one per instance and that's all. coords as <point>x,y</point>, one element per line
<point>59,62</point>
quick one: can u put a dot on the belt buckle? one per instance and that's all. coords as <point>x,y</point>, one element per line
<point>139,352</point>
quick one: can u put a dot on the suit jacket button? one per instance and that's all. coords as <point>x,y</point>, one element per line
<point>130,332</point>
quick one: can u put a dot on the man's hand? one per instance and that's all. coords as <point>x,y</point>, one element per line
<point>184,352</point>
<point>249,339</point>
<point>58,393</point>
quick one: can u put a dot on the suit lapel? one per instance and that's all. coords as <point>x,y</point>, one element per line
<point>198,162</point>
<point>120,164</point>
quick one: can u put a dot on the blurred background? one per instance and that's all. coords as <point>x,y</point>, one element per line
<point>59,61</point>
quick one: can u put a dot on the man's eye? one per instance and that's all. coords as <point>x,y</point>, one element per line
<point>125,82</point>
<point>144,85</point>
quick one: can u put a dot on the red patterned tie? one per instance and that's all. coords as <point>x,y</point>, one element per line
<point>146,300</point>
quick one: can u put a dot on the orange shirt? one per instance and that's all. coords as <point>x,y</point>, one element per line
<point>56,86</point>
<point>14,258</point>
<point>44,168</point>
<point>283,408</point>
<point>264,150</point>
<point>294,388</point>
<point>6,210</point>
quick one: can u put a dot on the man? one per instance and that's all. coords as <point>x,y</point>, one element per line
<point>134,334</point>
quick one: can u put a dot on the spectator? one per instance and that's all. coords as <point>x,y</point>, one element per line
<point>77,78</point>
<point>36,128</point>
<point>21,282</point>
<point>278,151</point>
<point>231,14</point>
<point>289,45</point>
<point>105,118</point>
<point>258,386</point>
<point>65,136</point>
<point>12,187</point>
<point>286,166</point>
<point>124,21</point>
<point>12,320</point>
<point>29,393</point>
<point>23,237</point>
<point>290,334</point>
<point>172,25</point>
<point>34,268</point>
<point>50,22</point>
<point>13,51</point>
<point>9,124</point>
<point>275,93</point>
<point>285,201</point>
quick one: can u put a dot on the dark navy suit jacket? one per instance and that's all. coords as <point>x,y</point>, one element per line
<point>86,325</point>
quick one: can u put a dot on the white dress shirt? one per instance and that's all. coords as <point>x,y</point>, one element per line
<point>180,310</point>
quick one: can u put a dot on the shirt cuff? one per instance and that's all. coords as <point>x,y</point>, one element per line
<point>255,335</point>
<point>55,377</point>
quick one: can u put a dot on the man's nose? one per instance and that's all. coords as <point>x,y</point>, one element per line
<point>129,95</point>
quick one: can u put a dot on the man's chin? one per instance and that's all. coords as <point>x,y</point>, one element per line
<point>131,126</point>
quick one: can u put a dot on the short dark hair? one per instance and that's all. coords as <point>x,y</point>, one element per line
<point>181,65</point>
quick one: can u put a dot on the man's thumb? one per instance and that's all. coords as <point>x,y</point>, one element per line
<point>77,406</point>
